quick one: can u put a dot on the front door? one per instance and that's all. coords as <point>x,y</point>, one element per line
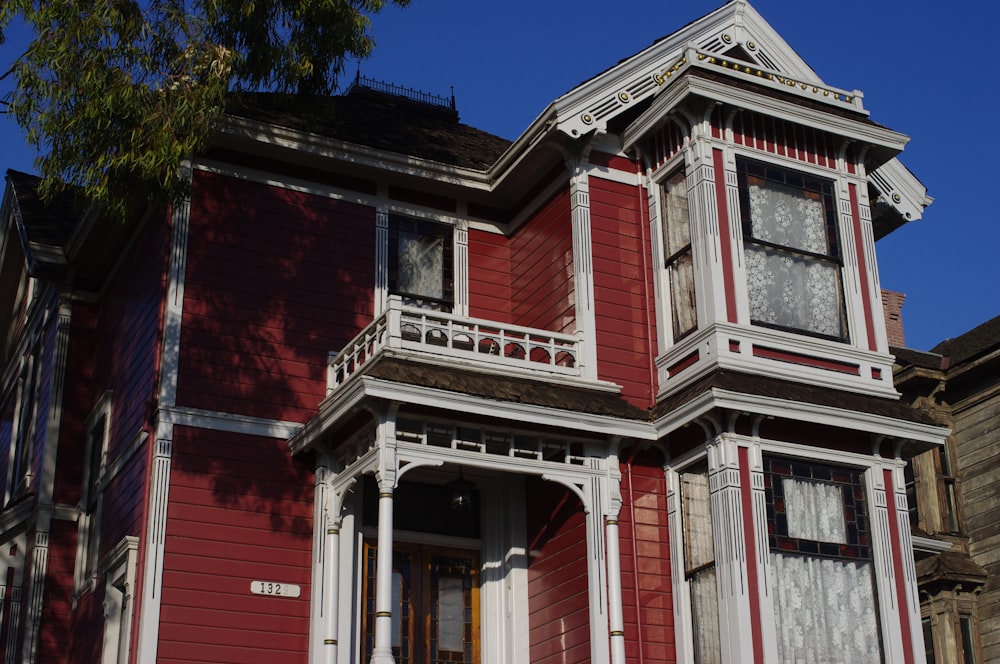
<point>435,604</point>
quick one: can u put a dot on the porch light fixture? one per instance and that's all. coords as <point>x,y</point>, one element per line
<point>461,493</point>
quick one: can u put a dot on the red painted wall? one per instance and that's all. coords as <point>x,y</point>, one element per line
<point>57,614</point>
<point>623,296</point>
<point>647,597</point>
<point>541,268</point>
<point>489,276</point>
<point>240,510</point>
<point>276,279</point>
<point>558,608</point>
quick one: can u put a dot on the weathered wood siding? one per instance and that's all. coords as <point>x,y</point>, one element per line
<point>240,510</point>
<point>977,424</point>
<point>276,279</point>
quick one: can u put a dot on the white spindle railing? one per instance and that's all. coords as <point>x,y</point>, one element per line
<point>457,337</point>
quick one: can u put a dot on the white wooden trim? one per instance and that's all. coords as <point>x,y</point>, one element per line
<point>229,422</point>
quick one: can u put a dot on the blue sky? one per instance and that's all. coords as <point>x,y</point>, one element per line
<point>927,69</point>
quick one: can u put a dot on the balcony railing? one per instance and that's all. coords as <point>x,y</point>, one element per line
<point>456,339</point>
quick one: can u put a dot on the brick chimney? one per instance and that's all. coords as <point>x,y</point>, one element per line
<point>892,307</point>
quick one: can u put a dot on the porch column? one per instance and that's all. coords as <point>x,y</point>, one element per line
<point>331,589</point>
<point>382,653</point>
<point>387,475</point>
<point>616,619</point>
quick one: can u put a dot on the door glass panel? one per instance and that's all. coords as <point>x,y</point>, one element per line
<point>435,604</point>
<point>451,613</point>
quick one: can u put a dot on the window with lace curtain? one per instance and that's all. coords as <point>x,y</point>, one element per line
<point>823,584</point>
<point>792,251</point>
<point>421,263</point>
<point>677,256</point>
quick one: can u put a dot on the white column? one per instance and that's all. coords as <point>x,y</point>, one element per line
<point>382,653</point>
<point>616,619</point>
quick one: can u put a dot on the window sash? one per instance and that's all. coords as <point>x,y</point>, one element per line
<point>677,254</point>
<point>792,253</point>
<point>421,263</point>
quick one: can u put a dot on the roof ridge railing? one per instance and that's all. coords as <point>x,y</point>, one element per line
<point>402,91</point>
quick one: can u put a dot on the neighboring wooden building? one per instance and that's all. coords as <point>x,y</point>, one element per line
<point>388,388</point>
<point>955,493</point>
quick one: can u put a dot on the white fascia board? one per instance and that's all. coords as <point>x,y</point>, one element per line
<point>332,409</point>
<point>901,189</point>
<point>808,412</point>
<point>830,416</point>
<point>864,132</point>
<point>220,421</point>
<point>526,413</point>
<point>330,148</point>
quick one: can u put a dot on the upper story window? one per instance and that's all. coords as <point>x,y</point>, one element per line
<point>678,259</point>
<point>421,263</point>
<point>792,251</point>
<point>91,498</point>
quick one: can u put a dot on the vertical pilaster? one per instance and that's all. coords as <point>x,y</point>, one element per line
<point>583,264</point>
<point>13,562</point>
<point>156,526</point>
<point>735,621</point>
<point>891,612</point>
<point>36,589</point>
<point>381,259</point>
<point>461,268</point>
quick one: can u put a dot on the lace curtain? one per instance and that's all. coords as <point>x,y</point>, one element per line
<point>420,265</point>
<point>786,288</point>
<point>824,607</point>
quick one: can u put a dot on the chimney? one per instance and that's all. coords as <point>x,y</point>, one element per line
<point>892,307</point>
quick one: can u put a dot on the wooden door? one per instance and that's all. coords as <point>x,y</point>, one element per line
<point>435,604</point>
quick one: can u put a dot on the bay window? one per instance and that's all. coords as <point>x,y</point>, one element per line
<point>792,251</point>
<point>823,584</point>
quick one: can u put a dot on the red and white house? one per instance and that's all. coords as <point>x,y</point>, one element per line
<point>387,388</point>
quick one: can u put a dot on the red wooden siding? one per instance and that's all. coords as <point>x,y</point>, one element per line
<point>489,276</point>
<point>623,298</point>
<point>53,631</point>
<point>240,510</point>
<point>541,268</point>
<point>780,137</point>
<point>275,280</point>
<point>558,608</point>
<point>128,340</point>
<point>647,597</point>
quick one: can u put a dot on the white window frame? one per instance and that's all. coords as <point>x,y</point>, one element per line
<point>92,495</point>
<point>119,594</point>
<point>459,251</point>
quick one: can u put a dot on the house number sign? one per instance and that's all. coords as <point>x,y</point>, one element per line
<point>275,589</point>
